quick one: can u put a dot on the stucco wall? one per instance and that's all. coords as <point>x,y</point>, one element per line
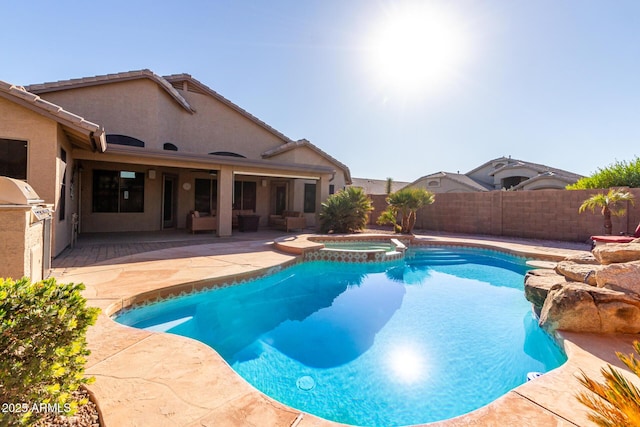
<point>44,138</point>
<point>216,127</point>
<point>141,109</point>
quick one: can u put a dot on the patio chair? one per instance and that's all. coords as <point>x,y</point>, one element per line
<point>616,239</point>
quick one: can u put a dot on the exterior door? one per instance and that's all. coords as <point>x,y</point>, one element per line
<point>279,192</point>
<point>169,204</point>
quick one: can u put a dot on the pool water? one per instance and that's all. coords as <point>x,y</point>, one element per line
<point>435,336</point>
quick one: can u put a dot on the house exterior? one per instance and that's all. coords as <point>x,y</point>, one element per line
<point>135,151</point>
<point>503,173</point>
<point>376,186</point>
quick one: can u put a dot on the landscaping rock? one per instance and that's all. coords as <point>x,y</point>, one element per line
<point>578,272</point>
<point>621,277</point>
<point>582,258</point>
<point>537,284</point>
<point>584,308</point>
<point>612,253</point>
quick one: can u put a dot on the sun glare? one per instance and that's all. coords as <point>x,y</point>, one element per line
<point>407,364</point>
<point>416,48</point>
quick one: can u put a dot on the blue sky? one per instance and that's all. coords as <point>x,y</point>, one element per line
<point>555,82</point>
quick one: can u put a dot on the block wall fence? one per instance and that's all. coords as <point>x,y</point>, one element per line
<point>537,214</point>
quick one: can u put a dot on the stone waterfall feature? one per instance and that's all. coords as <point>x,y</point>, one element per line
<point>598,293</point>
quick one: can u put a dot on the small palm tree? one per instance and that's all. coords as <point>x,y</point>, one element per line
<point>609,203</point>
<point>346,211</point>
<point>616,402</point>
<point>405,203</point>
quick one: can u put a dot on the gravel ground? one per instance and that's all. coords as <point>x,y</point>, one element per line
<point>86,416</point>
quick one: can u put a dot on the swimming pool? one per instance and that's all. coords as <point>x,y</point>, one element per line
<point>435,336</point>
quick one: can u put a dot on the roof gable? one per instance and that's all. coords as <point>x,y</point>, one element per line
<point>304,143</point>
<point>187,83</point>
<point>111,78</point>
<point>77,128</point>
<point>461,179</point>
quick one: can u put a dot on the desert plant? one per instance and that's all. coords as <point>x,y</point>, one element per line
<point>610,204</point>
<point>405,203</point>
<point>618,174</point>
<point>616,402</point>
<point>42,346</point>
<point>388,186</point>
<point>345,211</point>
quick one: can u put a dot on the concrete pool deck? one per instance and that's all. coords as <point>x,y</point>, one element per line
<point>154,379</point>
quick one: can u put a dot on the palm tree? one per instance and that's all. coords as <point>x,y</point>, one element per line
<point>405,203</point>
<point>616,402</point>
<point>609,203</point>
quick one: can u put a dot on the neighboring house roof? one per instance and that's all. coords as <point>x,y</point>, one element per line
<point>376,186</point>
<point>542,177</point>
<point>78,129</point>
<point>304,143</point>
<point>510,162</point>
<point>541,169</point>
<point>111,78</point>
<point>456,177</point>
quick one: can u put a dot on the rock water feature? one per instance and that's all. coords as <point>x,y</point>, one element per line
<point>598,292</point>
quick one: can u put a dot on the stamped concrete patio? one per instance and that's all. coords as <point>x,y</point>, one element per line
<point>154,379</point>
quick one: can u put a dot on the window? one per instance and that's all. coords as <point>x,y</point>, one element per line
<point>332,189</point>
<point>124,140</point>
<point>227,153</point>
<point>206,192</point>
<point>13,158</point>
<point>244,195</point>
<point>63,186</point>
<point>512,181</point>
<point>170,147</point>
<point>309,198</point>
<point>118,191</point>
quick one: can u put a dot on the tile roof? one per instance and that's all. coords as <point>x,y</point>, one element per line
<point>457,177</point>
<point>111,78</point>
<point>93,132</point>
<point>304,143</point>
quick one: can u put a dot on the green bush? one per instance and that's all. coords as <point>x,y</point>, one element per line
<point>345,212</point>
<point>619,174</point>
<point>42,347</point>
<point>405,203</point>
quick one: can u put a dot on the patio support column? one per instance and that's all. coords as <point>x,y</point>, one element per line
<point>322,192</point>
<point>225,201</point>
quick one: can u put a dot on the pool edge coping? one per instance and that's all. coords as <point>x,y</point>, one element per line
<point>440,241</point>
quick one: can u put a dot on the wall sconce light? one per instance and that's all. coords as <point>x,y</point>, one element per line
<point>152,174</point>
<point>263,182</point>
<point>213,173</point>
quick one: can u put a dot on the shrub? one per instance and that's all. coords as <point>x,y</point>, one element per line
<point>616,402</point>
<point>42,346</point>
<point>345,212</point>
<point>405,203</point>
<point>618,174</point>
